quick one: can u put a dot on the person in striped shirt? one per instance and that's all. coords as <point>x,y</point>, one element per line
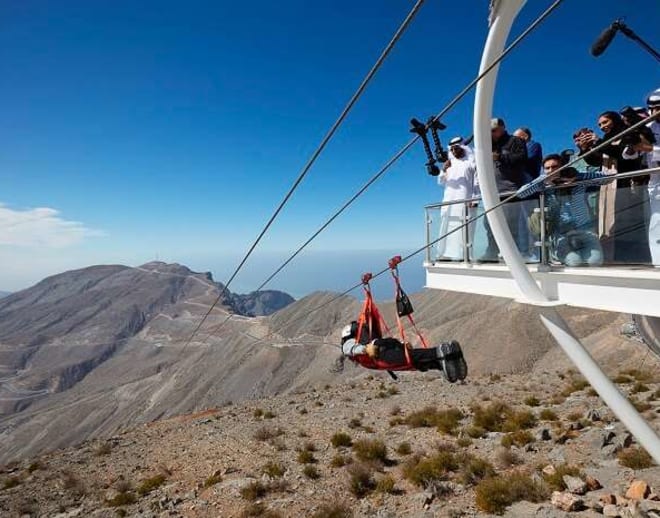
<point>570,224</point>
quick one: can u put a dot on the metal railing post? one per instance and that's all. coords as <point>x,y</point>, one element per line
<point>544,248</point>
<point>428,235</point>
<point>465,234</point>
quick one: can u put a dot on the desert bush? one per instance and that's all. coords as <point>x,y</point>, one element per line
<point>333,511</point>
<point>556,479</point>
<point>340,439</point>
<point>266,433</point>
<point>311,472</point>
<point>395,410</point>
<point>11,482</point>
<point>258,413</point>
<point>273,469</point>
<point>213,479</point>
<point>532,401</point>
<point>340,460</point>
<point>639,387</point>
<point>519,438</point>
<point>36,465</point>
<point>404,448</point>
<point>622,379</point>
<point>575,384</point>
<point>641,406</point>
<point>105,448</point>
<point>495,377</point>
<point>306,457</point>
<point>519,420</point>
<point>474,432</point>
<point>639,375</point>
<point>490,417</point>
<point>547,415</point>
<point>392,390</point>
<point>149,484</point>
<point>495,494</point>
<point>396,421</point>
<point>370,450</point>
<point>635,458</point>
<point>463,442</point>
<point>473,469</point>
<point>269,415</point>
<point>386,484</point>
<point>361,481</point>
<point>574,416</point>
<point>423,470</point>
<point>303,411</point>
<point>254,490</point>
<point>355,423</point>
<point>72,483</point>
<point>121,499</point>
<point>506,458</point>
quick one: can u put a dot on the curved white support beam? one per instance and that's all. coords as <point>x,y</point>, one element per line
<point>483,107</point>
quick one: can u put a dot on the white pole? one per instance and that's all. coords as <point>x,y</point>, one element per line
<point>483,108</point>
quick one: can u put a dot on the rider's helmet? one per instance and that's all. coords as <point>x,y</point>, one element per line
<point>349,331</point>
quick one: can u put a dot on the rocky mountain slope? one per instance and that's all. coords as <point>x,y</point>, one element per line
<point>367,447</point>
<point>73,371</point>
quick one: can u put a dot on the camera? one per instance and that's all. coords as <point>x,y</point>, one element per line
<point>631,117</point>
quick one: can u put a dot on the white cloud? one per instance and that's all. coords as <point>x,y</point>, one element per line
<point>40,227</point>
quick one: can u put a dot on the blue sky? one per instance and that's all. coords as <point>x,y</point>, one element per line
<point>160,129</point>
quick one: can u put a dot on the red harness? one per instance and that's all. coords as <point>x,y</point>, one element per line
<point>372,324</point>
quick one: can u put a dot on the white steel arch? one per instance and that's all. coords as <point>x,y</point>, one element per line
<point>503,14</point>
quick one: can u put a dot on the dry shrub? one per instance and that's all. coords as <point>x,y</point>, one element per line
<point>104,448</point>
<point>121,499</point>
<point>339,460</point>
<point>333,511</point>
<point>11,482</point>
<point>556,480</point>
<point>361,481</point>
<point>149,484</point>
<point>495,494</point>
<point>519,438</point>
<point>355,423</point>
<point>213,479</point>
<point>306,457</point>
<point>386,484</point>
<point>547,415</point>
<point>259,509</point>
<point>254,490</point>
<point>575,384</point>
<point>532,401</point>
<point>273,469</point>
<point>404,448</point>
<point>311,472</point>
<point>370,450</point>
<point>340,439</point>
<point>36,465</point>
<point>266,433</point>
<point>72,483</point>
<point>490,417</point>
<point>473,469</point>
<point>635,458</point>
<point>519,420</point>
<point>445,420</point>
<point>463,442</point>
<point>423,470</point>
<point>505,458</point>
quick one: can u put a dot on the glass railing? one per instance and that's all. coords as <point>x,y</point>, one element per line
<point>585,223</point>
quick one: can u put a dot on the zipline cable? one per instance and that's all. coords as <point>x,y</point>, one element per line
<point>401,152</point>
<point>404,25</point>
<point>508,199</point>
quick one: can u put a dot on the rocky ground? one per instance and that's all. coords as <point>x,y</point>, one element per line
<point>416,447</point>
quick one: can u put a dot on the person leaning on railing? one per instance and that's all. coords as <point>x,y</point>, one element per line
<point>569,223</point>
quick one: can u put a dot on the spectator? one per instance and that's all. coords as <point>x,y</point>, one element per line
<point>652,155</point>
<point>534,154</point>
<point>532,171</point>
<point>570,225</point>
<point>510,157</point>
<point>458,178</point>
<point>622,220</point>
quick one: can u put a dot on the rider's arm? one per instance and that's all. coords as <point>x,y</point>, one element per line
<point>352,348</point>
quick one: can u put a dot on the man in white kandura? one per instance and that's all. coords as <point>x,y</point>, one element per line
<point>458,178</point>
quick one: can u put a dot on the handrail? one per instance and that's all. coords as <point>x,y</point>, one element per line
<point>629,174</point>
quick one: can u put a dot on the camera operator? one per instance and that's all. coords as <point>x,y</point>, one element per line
<point>622,220</point>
